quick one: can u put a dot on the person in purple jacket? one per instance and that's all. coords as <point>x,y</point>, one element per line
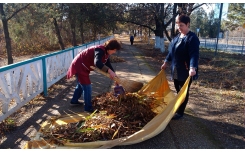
<point>183,55</point>
<point>80,67</point>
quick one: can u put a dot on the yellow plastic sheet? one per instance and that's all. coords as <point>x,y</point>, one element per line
<point>157,87</point>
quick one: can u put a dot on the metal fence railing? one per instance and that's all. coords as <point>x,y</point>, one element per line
<point>21,82</point>
<point>232,45</point>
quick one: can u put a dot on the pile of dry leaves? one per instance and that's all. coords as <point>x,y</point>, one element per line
<point>114,117</point>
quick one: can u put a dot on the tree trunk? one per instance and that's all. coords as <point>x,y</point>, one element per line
<point>149,35</point>
<point>159,40</point>
<point>6,35</point>
<point>73,32</point>
<point>57,31</point>
<point>173,21</point>
<point>94,34</point>
<point>81,31</point>
<point>167,35</point>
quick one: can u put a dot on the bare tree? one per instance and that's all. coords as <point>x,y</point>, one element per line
<point>5,20</point>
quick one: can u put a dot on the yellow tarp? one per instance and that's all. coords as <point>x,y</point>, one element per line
<point>168,104</point>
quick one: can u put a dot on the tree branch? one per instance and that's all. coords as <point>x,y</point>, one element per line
<point>137,24</point>
<point>197,7</point>
<point>17,11</point>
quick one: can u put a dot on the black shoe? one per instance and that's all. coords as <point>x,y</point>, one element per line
<point>177,116</point>
<point>89,111</point>
<point>76,103</point>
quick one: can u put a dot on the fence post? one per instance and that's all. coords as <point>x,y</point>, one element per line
<point>45,88</point>
<point>73,53</point>
<point>205,42</point>
<point>242,46</point>
<point>226,44</point>
<point>220,15</point>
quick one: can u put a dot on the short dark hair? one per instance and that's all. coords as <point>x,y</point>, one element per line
<point>184,19</point>
<point>112,44</point>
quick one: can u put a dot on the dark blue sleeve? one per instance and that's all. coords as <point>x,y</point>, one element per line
<point>108,63</point>
<point>98,54</point>
<point>194,51</point>
<point>170,48</point>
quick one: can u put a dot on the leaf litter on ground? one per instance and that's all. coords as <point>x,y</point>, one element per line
<point>114,117</point>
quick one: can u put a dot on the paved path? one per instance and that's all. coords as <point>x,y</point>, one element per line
<point>185,133</point>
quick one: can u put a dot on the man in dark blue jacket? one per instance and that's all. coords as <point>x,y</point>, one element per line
<point>183,55</point>
<point>132,39</point>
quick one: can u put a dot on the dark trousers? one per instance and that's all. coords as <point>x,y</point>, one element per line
<point>132,42</point>
<point>178,85</point>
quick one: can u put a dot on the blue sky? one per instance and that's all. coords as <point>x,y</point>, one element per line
<point>224,10</point>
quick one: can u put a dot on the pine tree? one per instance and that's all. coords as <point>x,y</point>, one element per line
<point>235,16</point>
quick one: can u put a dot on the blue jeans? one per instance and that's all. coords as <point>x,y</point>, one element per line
<point>86,91</point>
<point>77,93</point>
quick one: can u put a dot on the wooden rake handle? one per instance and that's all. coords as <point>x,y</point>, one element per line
<point>105,74</point>
<point>128,85</point>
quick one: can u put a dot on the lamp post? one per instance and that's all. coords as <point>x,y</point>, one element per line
<point>197,23</point>
<point>198,29</point>
<point>243,37</point>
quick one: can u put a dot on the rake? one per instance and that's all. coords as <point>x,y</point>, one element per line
<point>128,85</point>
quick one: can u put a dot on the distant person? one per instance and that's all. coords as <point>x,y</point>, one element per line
<point>132,39</point>
<point>183,55</point>
<point>80,67</point>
